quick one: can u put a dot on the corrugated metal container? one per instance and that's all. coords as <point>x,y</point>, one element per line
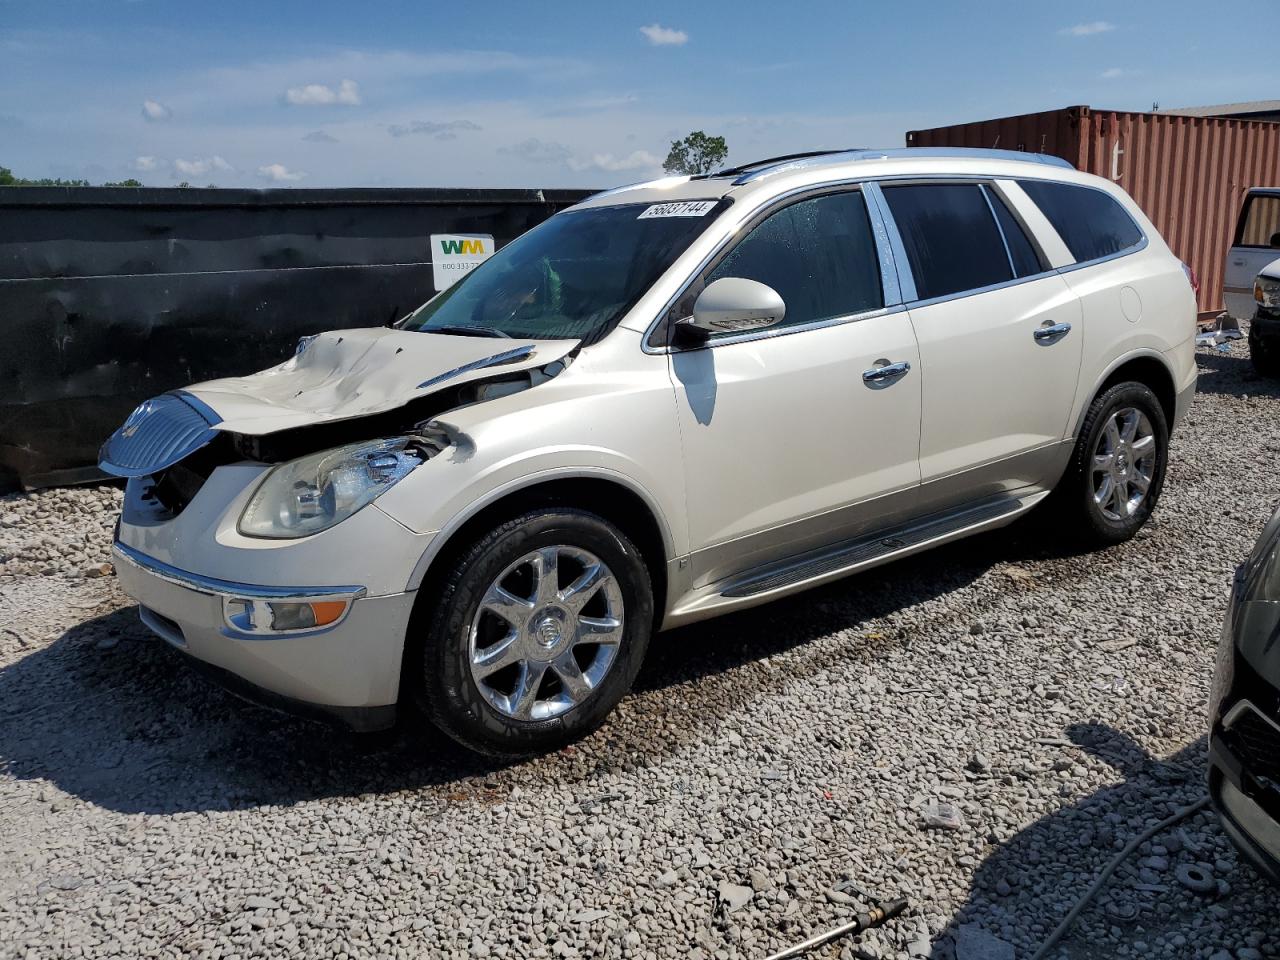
<point>1189,174</point>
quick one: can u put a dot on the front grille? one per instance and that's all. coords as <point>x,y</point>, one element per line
<point>1257,745</point>
<point>159,433</point>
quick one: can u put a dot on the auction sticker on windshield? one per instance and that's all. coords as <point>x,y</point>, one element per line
<point>454,255</point>
<point>684,208</point>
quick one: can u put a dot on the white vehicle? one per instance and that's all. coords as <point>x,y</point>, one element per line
<point>1256,244</point>
<point>674,400</point>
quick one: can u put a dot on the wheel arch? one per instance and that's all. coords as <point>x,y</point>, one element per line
<point>1147,367</point>
<point>607,493</point>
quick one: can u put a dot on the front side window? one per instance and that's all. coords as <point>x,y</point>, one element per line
<point>950,237</point>
<point>1090,223</point>
<point>572,276</point>
<point>818,254</point>
<point>1260,222</point>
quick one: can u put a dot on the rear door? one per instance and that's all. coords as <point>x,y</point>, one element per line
<point>1000,340</point>
<point>1257,243</point>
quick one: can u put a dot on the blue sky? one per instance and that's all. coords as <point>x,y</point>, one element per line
<point>565,94</point>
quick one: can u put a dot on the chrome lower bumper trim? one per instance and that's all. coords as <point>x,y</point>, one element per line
<point>229,588</point>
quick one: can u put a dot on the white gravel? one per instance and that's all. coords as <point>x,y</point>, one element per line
<point>768,764</point>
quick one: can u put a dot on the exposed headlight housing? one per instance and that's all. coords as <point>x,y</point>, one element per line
<point>1266,291</point>
<point>315,492</point>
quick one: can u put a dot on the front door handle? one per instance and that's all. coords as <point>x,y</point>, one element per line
<point>1051,333</point>
<point>885,372</point>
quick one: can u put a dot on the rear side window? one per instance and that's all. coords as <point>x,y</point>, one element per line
<point>950,237</point>
<point>1026,260</point>
<point>1091,224</point>
<point>819,254</point>
<point>1259,222</point>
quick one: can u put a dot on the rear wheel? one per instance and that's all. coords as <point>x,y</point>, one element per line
<point>537,635</point>
<point>1117,468</point>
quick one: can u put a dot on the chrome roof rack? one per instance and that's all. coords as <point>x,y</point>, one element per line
<point>755,171</point>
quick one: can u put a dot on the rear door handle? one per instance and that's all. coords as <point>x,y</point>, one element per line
<point>1052,333</point>
<point>886,372</point>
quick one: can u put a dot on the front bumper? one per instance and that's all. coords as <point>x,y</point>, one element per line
<point>349,671</point>
<point>1244,739</point>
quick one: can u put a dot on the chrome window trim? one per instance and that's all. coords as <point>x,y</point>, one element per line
<point>902,267</point>
<point>765,205</point>
<point>1008,254</point>
<point>1126,252</point>
<point>228,588</point>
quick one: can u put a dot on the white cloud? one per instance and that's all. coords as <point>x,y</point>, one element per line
<point>319,95</point>
<point>636,160</point>
<point>1113,73</point>
<point>144,164</point>
<point>661,36</point>
<point>319,136</point>
<point>1087,29</point>
<point>201,166</point>
<point>279,173</point>
<point>153,111</point>
<point>538,151</point>
<point>446,130</point>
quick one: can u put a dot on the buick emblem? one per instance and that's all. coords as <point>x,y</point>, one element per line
<point>134,420</point>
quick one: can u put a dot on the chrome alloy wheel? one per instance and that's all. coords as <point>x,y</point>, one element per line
<point>546,633</point>
<point>1124,463</point>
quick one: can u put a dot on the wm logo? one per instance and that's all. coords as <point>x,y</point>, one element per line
<point>463,247</point>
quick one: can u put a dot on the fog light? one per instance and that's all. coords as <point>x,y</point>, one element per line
<point>304,616</point>
<point>267,618</point>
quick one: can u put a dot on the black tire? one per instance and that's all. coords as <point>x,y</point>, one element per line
<point>1080,515</point>
<point>446,690</point>
<point>1265,355</point>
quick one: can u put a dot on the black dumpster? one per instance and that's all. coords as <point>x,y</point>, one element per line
<point>112,295</point>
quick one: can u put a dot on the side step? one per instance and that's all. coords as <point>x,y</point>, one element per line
<point>878,548</point>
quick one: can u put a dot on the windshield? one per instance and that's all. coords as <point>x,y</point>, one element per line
<point>571,277</point>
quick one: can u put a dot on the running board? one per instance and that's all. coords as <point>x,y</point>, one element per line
<point>808,570</point>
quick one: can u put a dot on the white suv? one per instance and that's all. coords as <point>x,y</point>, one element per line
<point>672,401</point>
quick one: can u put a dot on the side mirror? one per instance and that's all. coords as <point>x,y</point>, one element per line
<point>731,305</point>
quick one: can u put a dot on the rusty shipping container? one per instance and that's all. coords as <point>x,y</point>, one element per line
<point>1189,174</point>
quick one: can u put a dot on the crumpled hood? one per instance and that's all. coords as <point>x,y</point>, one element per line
<point>339,375</point>
<point>354,373</point>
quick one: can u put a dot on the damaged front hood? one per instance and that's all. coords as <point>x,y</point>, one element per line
<point>354,373</point>
<point>340,375</point>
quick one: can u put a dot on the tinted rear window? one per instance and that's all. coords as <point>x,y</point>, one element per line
<point>1091,224</point>
<point>950,237</point>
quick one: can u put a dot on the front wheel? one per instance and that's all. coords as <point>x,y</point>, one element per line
<point>537,634</point>
<point>1265,354</point>
<point>1117,469</point>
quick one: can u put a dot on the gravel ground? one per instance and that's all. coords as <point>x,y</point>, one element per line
<point>1048,706</point>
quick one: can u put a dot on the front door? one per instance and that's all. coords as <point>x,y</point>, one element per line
<point>1257,243</point>
<point>1000,342</point>
<point>796,436</point>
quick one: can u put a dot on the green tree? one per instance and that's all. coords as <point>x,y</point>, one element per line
<point>696,153</point>
<point>7,179</point>
<point>123,183</point>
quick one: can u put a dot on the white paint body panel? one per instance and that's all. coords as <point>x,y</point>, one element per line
<point>742,452</point>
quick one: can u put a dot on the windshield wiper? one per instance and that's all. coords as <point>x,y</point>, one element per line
<point>464,331</point>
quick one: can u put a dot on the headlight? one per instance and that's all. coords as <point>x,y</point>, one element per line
<point>312,493</point>
<point>1266,291</point>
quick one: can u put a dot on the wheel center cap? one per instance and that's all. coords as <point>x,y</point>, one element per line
<point>549,628</point>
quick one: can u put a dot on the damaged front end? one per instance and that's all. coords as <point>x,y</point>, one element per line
<point>339,423</point>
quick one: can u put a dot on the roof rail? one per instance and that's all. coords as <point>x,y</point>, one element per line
<point>767,162</point>
<point>755,171</point>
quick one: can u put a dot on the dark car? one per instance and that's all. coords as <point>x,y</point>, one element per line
<point>1264,330</point>
<point>1244,708</point>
